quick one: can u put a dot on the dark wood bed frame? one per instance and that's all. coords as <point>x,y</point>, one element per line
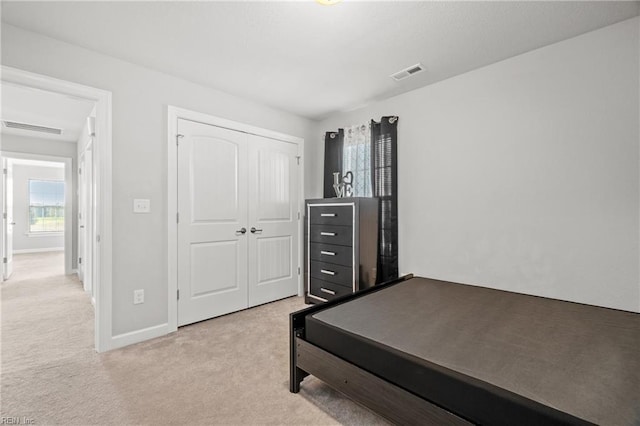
<point>386,399</point>
<point>478,402</point>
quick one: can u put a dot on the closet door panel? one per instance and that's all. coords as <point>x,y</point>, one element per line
<point>273,220</point>
<point>212,204</point>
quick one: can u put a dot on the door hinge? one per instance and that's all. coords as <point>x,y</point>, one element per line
<point>298,270</point>
<point>178,294</point>
<point>79,171</point>
<point>178,136</point>
<point>4,215</point>
<point>177,217</point>
<point>298,215</point>
<point>80,261</point>
<point>4,171</point>
<point>4,260</point>
<point>298,159</point>
<point>98,238</point>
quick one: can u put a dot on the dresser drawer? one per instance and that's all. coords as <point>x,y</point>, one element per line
<point>327,290</point>
<point>331,253</point>
<point>333,273</point>
<point>331,234</point>
<point>331,215</point>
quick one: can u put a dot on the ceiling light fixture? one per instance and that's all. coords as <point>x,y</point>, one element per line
<point>328,2</point>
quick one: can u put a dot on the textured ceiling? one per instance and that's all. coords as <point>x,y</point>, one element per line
<point>309,59</point>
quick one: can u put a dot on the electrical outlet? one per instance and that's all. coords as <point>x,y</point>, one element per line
<point>138,297</point>
<point>141,205</point>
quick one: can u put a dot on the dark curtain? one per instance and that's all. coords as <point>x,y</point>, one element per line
<point>333,144</point>
<point>384,169</point>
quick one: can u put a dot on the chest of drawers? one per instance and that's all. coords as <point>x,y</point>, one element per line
<point>341,246</point>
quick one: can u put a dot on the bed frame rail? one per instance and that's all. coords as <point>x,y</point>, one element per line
<point>392,402</point>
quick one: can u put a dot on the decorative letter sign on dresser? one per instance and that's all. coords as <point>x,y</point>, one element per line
<point>341,246</point>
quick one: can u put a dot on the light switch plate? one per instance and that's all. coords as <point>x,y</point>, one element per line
<point>141,205</point>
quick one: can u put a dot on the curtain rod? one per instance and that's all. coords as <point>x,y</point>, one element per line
<point>392,119</point>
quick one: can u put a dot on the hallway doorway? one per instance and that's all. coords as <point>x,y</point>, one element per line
<point>37,207</point>
<point>71,120</point>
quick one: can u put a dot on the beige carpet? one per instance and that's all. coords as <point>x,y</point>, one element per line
<point>229,370</point>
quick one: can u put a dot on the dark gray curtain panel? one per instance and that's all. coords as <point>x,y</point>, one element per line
<point>333,145</point>
<point>384,168</point>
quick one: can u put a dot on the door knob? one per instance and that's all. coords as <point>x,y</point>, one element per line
<point>12,223</point>
<point>255,231</point>
<point>242,230</point>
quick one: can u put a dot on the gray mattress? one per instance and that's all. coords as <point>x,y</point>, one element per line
<point>579,359</point>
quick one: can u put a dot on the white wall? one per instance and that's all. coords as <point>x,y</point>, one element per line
<point>31,145</point>
<point>140,97</point>
<point>21,176</point>
<point>523,175</point>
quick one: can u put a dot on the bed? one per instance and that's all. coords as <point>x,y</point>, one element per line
<point>423,351</point>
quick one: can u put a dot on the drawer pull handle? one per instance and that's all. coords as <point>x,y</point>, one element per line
<point>327,253</point>
<point>324,290</point>
<point>324,271</point>
<point>328,234</point>
<point>327,214</point>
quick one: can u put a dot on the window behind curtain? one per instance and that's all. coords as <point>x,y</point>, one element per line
<point>46,206</point>
<point>385,187</point>
<point>370,152</point>
<point>356,158</point>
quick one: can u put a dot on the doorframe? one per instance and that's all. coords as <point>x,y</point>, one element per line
<point>68,198</point>
<point>173,115</point>
<point>88,219</point>
<point>103,339</point>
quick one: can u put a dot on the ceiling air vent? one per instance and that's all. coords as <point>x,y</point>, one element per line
<point>407,72</point>
<point>31,127</point>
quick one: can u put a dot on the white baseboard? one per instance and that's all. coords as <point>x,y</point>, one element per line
<point>38,250</point>
<point>126,339</point>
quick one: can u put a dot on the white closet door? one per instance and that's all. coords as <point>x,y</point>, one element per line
<point>8,221</point>
<point>212,204</point>
<point>82,214</point>
<point>273,220</point>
